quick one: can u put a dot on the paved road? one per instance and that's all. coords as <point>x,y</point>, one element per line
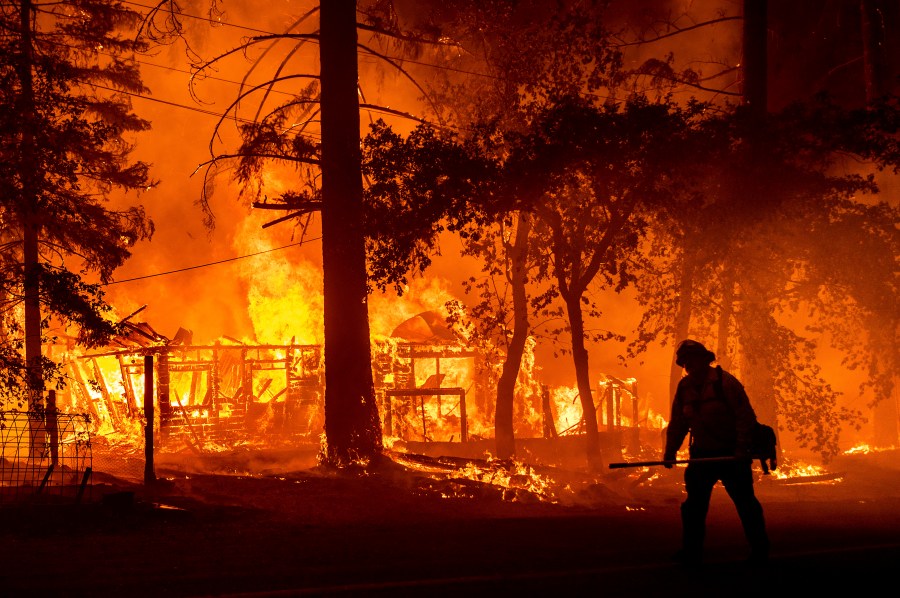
<point>313,535</point>
<point>854,570</point>
<point>818,549</point>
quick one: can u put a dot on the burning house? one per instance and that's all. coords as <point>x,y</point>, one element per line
<point>230,393</point>
<point>434,394</point>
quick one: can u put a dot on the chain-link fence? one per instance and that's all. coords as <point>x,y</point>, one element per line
<point>44,455</point>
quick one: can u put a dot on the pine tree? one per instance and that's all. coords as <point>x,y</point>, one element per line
<point>66,70</point>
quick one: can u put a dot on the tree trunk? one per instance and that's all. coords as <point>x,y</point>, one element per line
<point>682,323</point>
<point>725,314</point>
<point>33,356</point>
<point>757,373</point>
<point>30,253</point>
<point>885,415</point>
<point>28,178</point>
<point>755,63</point>
<point>874,51</point>
<point>506,386</point>
<point>32,312</point>
<point>583,379</point>
<point>352,429</point>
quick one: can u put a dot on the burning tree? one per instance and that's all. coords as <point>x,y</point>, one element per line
<point>67,70</point>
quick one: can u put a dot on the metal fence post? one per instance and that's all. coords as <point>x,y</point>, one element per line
<point>149,473</point>
<point>52,426</point>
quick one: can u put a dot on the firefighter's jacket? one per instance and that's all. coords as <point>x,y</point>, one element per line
<point>720,422</point>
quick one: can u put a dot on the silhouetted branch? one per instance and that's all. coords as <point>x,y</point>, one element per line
<point>405,74</point>
<point>678,31</point>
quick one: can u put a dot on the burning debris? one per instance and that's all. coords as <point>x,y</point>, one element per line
<point>219,395</point>
<point>433,393</point>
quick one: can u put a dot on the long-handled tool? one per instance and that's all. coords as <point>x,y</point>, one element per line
<point>672,462</point>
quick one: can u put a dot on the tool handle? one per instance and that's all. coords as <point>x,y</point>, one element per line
<point>673,462</point>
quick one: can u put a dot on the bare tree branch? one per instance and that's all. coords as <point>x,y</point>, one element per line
<point>405,74</point>
<point>678,31</point>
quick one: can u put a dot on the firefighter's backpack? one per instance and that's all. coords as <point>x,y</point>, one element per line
<point>762,439</point>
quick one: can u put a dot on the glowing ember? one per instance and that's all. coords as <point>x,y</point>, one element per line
<point>512,477</point>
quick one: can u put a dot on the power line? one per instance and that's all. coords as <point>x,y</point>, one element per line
<point>272,33</point>
<point>246,121</point>
<point>231,259</point>
<point>169,103</point>
<point>207,19</point>
<point>237,118</point>
<point>265,32</point>
<point>186,107</point>
<point>223,80</point>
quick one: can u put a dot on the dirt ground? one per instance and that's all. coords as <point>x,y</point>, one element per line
<point>275,524</point>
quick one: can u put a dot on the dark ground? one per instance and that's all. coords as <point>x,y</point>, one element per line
<point>300,530</point>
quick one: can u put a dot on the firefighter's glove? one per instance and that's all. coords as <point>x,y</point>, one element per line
<point>667,456</point>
